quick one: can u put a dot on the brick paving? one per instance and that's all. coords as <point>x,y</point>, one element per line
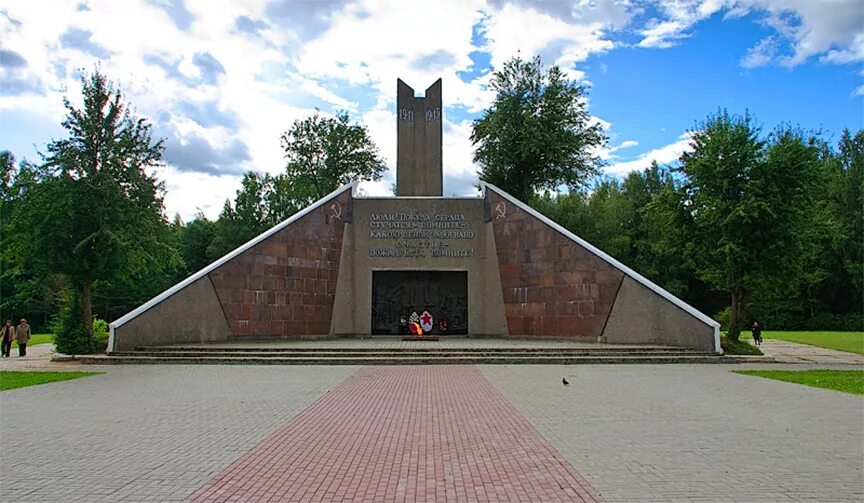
<point>404,434</point>
<point>635,433</point>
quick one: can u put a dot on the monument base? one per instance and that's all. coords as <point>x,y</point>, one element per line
<point>416,338</point>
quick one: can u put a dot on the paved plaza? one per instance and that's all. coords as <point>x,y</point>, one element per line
<point>461,433</point>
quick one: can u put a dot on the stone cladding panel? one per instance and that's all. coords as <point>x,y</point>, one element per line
<point>552,286</point>
<point>285,285</point>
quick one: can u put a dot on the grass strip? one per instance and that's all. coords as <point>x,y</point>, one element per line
<point>37,339</point>
<point>847,381</point>
<point>10,379</point>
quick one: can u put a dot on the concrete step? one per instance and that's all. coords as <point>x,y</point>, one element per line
<point>430,349</point>
<point>400,360</point>
<point>404,354</point>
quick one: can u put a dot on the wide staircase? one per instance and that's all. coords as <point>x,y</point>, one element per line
<point>425,353</point>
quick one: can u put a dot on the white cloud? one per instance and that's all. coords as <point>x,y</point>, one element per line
<point>678,17</point>
<point>663,155</point>
<point>294,55</point>
<point>460,172</point>
<point>514,29</point>
<point>761,54</point>
<point>834,28</point>
<point>830,29</point>
<point>374,43</point>
<point>186,193</point>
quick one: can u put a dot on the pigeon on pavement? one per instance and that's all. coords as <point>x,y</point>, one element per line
<point>564,380</point>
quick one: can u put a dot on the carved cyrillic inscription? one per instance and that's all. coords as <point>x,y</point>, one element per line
<point>421,235</point>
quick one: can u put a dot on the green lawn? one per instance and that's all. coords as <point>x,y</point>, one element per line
<point>37,339</point>
<point>848,381</point>
<point>11,379</point>
<point>851,342</point>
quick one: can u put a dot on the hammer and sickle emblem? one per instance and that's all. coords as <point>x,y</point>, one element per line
<point>500,211</point>
<point>336,211</point>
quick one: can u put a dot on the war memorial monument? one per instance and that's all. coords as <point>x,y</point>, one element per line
<point>350,266</point>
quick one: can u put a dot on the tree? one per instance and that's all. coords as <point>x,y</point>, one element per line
<point>324,153</point>
<point>747,207</point>
<point>96,210</point>
<point>538,133</point>
<point>262,202</point>
<point>836,274</point>
<point>244,219</point>
<point>193,240</point>
<point>848,202</point>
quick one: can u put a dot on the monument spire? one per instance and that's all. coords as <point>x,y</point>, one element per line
<point>418,139</point>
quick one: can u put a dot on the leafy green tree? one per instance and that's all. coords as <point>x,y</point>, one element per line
<point>193,240</point>
<point>848,202</point>
<point>835,274</point>
<point>744,203</point>
<point>95,210</point>
<point>24,289</point>
<point>324,153</point>
<point>538,133</point>
<point>246,217</point>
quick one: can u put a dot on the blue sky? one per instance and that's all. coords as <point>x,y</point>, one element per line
<point>221,80</point>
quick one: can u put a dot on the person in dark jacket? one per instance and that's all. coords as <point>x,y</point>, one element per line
<point>22,335</point>
<point>8,332</point>
<point>757,333</point>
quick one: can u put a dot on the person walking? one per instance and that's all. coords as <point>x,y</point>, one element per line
<point>22,335</point>
<point>757,333</point>
<point>8,332</point>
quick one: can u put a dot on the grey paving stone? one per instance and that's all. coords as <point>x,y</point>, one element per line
<point>637,433</point>
<point>667,433</point>
<point>145,433</point>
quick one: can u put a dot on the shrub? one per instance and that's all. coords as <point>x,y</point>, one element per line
<point>100,329</point>
<point>100,335</point>
<point>739,347</point>
<point>723,318</point>
<point>71,336</point>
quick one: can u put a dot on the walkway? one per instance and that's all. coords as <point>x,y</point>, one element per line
<point>792,352</point>
<point>617,433</point>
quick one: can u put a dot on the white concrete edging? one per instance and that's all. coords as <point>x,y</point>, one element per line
<point>626,270</point>
<point>230,255</point>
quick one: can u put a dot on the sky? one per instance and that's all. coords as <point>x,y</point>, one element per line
<point>221,80</point>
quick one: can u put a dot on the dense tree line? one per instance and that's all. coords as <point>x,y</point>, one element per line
<point>745,225</point>
<point>779,236</point>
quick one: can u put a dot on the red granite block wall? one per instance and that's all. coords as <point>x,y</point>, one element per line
<point>552,286</point>
<point>285,285</point>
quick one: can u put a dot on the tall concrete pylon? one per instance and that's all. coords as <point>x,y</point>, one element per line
<point>419,169</point>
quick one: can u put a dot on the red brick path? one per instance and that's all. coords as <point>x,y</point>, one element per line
<point>416,433</point>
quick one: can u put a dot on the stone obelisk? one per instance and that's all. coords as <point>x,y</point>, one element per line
<point>418,139</point>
